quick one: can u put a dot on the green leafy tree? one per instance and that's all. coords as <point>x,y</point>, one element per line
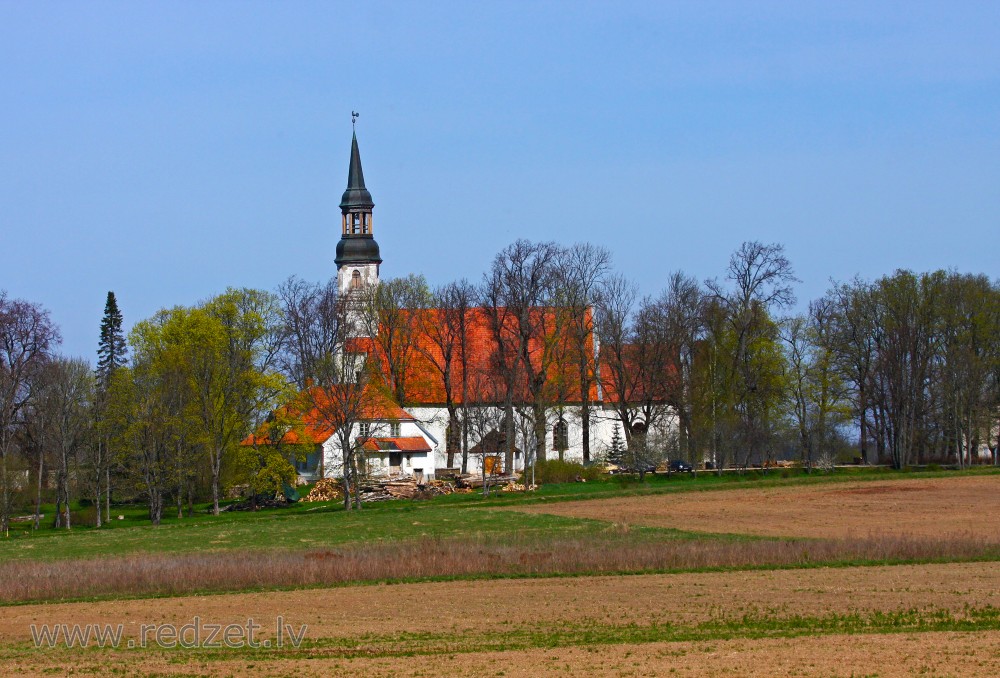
<point>233,355</point>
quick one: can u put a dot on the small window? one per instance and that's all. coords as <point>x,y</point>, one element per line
<point>560,435</point>
<point>365,429</point>
<point>355,280</point>
<point>394,429</point>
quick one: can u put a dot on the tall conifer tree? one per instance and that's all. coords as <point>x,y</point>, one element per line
<point>111,352</point>
<point>111,347</point>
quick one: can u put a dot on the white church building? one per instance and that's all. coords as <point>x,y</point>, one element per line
<point>413,440</point>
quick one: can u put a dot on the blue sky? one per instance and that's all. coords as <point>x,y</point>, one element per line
<point>168,150</point>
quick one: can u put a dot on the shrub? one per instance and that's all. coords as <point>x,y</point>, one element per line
<point>555,471</point>
<point>85,516</point>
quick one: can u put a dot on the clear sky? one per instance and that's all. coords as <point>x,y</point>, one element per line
<point>168,150</point>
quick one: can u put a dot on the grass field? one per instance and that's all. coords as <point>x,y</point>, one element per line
<point>740,575</point>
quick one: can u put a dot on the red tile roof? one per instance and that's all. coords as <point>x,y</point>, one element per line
<point>407,444</point>
<point>425,383</point>
<point>315,410</point>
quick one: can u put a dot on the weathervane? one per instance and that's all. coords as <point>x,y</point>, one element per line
<point>354,118</point>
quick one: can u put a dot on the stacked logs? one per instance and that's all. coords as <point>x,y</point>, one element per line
<point>474,481</point>
<point>404,488</point>
<point>329,489</point>
<point>325,489</point>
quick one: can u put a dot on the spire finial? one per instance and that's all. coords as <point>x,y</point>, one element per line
<point>354,118</point>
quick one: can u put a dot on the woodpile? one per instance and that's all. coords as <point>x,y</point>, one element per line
<point>404,488</point>
<point>474,481</point>
<point>518,487</point>
<point>329,489</point>
<point>325,489</point>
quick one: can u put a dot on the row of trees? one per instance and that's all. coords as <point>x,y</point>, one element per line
<point>907,365</point>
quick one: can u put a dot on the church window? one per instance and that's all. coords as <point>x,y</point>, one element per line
<point>355,280</point>
<point>560,435</point>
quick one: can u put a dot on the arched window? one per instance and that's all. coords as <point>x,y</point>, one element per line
<point>560,436</point>
<point>356,280</point>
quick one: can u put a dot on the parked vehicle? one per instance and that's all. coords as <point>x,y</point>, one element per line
<point>625,468</point>
<point>679,466</point>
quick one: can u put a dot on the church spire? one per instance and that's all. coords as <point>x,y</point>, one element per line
<point>356,195</point>
<point>357,252</point>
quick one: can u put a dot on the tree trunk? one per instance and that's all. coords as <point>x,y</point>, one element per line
<point>155,506</point>
<point>538,413</point>
<point>584,409</point>
<point>863,425</point>
<point>452,436</point>
<point>38,493</point>
<point>345,458</point>
<point>508,461</point>
<point>216,471</point>
<point>65,474</point>
<point>5,492</point>
<point>107,496</point>
<point>97,482</point>
<point>58,522</point>
<point>465,439</point>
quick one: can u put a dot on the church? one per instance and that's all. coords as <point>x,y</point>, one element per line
<point>416,438</point>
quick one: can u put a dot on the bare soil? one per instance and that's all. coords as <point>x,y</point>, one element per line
<point>465,607</point>
<point>885,656</point>
<point>927,507</point>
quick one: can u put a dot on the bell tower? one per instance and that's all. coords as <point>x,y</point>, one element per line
<point>358,257</point>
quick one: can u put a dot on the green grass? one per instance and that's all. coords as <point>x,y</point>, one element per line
<point>309,526</point>
<point>320,525</point>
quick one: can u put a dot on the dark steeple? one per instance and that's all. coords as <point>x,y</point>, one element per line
<point>357,243</point>
<point>356,195</point>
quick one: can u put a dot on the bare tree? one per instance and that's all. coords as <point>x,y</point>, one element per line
<point>66,391</point>
<point>312,327</point>
<point>489,425</point>
<point>327,351</point>
<point>614,319</point>
<point>391,317</point>
<point>581,271</point>
<point>27,335</point>
<point>681,310</point>
<point>519,294</point>
<point>854,338</point>
<point>446,328</point>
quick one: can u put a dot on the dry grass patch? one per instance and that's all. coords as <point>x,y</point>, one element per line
<point>614,552</point>
<point>928,507</point>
